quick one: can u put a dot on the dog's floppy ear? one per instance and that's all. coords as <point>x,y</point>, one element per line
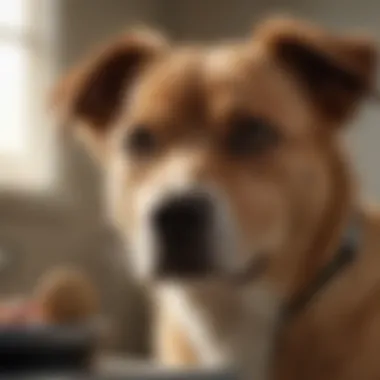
<point>336,71</point>
<point>93,91</point>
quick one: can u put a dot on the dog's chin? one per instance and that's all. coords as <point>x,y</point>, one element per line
<point>245,275</point>
<point>182,274</point>
<point>149,267</point>
<point>186,274</point>
<point>252,270</point>
<point>184,280</point>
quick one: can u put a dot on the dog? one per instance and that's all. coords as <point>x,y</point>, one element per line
<point>226,177</point>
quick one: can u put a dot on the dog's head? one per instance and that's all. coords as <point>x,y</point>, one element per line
<point>216,155</point>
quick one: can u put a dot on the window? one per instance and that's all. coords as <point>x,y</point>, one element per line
<point>25,71</point>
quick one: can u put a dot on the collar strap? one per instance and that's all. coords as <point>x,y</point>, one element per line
<point>344,256</point>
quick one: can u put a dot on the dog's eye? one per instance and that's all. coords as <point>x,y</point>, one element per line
<point>141,142</point>
<point>251,135</point>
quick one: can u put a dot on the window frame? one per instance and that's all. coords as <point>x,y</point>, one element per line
<point>32,169</point>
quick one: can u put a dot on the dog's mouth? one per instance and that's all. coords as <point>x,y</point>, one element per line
<point>251,271</point>
<point>195,264</point>
<point>190,271</point>
<point>188,260</point>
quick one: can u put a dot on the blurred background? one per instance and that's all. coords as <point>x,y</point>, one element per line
<point>51,211</point>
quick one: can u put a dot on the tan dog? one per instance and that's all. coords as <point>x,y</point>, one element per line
<point>216,157</point>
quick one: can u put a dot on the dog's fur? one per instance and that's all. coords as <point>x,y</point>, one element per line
<point>292,199</point>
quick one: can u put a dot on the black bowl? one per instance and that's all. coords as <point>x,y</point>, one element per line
<point>32,349</point>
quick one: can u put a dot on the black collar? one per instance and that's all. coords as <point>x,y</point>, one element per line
<point>344,256</point>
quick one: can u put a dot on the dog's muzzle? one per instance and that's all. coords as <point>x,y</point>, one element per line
<point>183,225</point>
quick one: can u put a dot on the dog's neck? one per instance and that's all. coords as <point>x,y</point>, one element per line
<point>324,242</point>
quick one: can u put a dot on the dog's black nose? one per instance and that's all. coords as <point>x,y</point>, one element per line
<point>183,225</point>
<point>183,216</point>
